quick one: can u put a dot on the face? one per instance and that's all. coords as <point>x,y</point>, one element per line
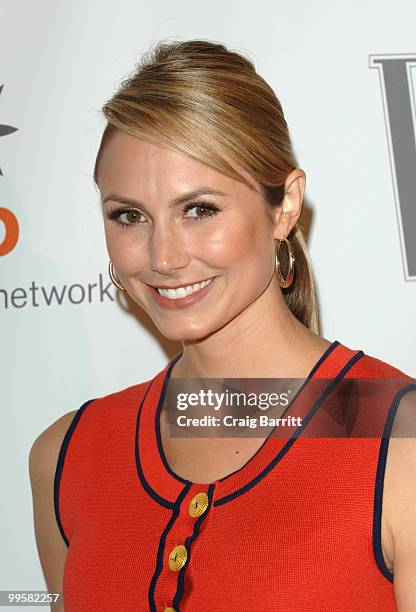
<point>155,241</point>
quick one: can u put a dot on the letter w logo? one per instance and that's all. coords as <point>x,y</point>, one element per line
<point>399,112</point>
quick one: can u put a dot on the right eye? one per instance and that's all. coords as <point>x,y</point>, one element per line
<point>132,216</point>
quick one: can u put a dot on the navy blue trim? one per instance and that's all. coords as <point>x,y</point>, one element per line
<point>161,548</point>
<point>315,368</point>
<point>323,357</point>
<point>379,485</point>
<point>160,500</point>
<point>60,466</point>
<point>188,542</point>
<point>292,440</point>
<point>157,428</point>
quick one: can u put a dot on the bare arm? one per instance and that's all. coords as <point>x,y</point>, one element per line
<point>402,503</point>
<point>51,547</point>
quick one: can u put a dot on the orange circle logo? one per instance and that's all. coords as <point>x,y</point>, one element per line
<point>12,231</point>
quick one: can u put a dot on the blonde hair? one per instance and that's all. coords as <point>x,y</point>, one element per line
<point>202,99</point>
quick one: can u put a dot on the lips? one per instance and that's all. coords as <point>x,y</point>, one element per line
<point>178,303</point>
<point>184,285</point>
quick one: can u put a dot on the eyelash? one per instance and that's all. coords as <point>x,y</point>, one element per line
<point>115,213</point>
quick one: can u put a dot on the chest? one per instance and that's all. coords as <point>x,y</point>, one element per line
<point>205,460</point>
<point>275,542</point>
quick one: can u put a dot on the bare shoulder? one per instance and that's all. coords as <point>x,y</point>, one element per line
<point>43,458</point>
<point>399,502</point>
<point>48,442</point>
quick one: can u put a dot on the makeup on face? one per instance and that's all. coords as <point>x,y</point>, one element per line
<point>174,299</point>
<point>219,233</point>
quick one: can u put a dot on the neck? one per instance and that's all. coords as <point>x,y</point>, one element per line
<point>263,341</point>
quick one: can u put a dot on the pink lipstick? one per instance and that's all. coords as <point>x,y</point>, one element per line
<point>184,302</point>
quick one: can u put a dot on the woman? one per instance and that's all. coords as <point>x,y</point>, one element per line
<point>199,184</point>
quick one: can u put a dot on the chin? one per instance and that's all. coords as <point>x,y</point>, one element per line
<point>183,333</point>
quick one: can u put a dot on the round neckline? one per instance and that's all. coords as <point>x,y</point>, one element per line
<point>164,485</point>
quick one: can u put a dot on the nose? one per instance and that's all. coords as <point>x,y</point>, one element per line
<point>167,250</point>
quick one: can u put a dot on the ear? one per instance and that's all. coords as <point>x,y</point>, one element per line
<point>287,213</point>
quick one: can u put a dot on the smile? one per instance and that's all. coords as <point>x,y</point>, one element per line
<point>182,297</point>
<point>181,292</point>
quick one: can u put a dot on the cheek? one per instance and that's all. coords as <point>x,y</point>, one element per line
<point>242,244</point>
<point>125,251</point>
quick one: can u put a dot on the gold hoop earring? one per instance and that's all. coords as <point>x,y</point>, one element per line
<point>114,278</point>
<point>284,282</point>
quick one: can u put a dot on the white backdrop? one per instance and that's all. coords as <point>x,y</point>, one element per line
<point>60,62</point>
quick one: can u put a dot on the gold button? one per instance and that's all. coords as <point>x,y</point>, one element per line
<point>177,558</point>
<point>198,504</point>
<point>169,610</point>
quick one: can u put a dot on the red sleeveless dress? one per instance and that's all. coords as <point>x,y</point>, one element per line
<point>297,528</point>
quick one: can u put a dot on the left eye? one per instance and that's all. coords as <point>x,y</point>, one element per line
<point>210,209</point>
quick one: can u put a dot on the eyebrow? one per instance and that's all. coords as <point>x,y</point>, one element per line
<point>178,200</point>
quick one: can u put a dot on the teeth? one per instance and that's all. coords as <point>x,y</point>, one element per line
<point>181,292</point>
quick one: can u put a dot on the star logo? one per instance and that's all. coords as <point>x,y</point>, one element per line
<point>5,129</point>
